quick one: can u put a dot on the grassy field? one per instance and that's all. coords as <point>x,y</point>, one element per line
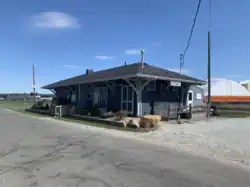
<point>16,105</point>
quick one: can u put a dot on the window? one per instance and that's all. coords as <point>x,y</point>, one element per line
<point>174,89</point>
<point>190,96</point>
<point>151,86</point>
<point>90,96</point>
<point>198,96</point>
<point>166,86</point>
<point>73,98</point>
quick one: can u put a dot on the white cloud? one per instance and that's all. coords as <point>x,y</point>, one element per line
<point>183,70</point>
<point>54,20</point>
<point>70,66</point>
<point>104,57</point>
<point>133,51</point>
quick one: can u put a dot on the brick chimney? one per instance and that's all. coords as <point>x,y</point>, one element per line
<point>89,71</point>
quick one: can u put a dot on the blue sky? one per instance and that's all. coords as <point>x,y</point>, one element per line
<point>64,37</point>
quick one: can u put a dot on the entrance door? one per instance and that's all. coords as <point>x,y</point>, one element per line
<point>127,101</point>
<point>190,98</point>
<point>100,96</point>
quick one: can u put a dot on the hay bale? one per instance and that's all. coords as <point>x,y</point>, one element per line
<point>125,122</point>
<point>133,123</point>
<point>145,123</point>
<point>149,121</point>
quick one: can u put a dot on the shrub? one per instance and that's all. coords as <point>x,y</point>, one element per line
<point>46,106</point>
<point>108,115</point>
<point>121,114</point>
<point>34,106</point>
<point>40,105</point>
<point>94,110</point>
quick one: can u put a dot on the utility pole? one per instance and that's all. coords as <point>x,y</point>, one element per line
<point>209,77</point>
<point>34,83</point>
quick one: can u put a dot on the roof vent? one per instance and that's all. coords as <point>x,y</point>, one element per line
<point>89,71</point>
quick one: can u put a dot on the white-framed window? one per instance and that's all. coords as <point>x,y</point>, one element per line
<point>151,86</point>
<point>190,96</point>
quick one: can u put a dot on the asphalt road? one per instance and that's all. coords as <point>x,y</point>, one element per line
<point>35,152</point>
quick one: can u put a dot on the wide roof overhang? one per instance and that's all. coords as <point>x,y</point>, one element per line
<point>68,82</point>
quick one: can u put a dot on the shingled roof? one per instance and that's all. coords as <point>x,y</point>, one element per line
<point>125,71</point>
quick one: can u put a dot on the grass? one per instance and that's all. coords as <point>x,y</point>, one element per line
<point>228,115</point>
<point>234,113</point>
<point>20,106</point>
<point>16,105</point>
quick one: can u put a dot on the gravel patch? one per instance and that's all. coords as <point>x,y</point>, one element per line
<point>221,139</point>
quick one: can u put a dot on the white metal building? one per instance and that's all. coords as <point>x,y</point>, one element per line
<point>224,87</point>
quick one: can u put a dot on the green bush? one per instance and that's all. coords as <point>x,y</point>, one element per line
<point>41,105</point>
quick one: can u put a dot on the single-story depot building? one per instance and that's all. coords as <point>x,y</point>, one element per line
<point>138,88</point>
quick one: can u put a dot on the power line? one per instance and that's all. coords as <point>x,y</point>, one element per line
<point>191,34</point>
<point>210,14</point>
<point>192,29</point>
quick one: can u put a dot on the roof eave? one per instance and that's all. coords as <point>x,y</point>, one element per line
<point>61,84</point>
<point>52,86</point>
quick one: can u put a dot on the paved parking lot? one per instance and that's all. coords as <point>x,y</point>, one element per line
<point>41,152</point>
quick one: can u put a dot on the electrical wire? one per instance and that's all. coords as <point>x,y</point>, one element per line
<point>191,34</point>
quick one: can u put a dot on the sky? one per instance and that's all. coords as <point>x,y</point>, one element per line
<point>65,37</point>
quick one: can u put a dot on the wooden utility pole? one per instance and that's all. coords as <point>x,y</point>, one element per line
<point>209,63</point>
<point>34,83</point>
<point>209,77</point>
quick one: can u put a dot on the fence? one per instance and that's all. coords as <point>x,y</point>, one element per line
<point>173,110</point>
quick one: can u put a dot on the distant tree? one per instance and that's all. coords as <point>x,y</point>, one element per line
<point>32,93</point>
